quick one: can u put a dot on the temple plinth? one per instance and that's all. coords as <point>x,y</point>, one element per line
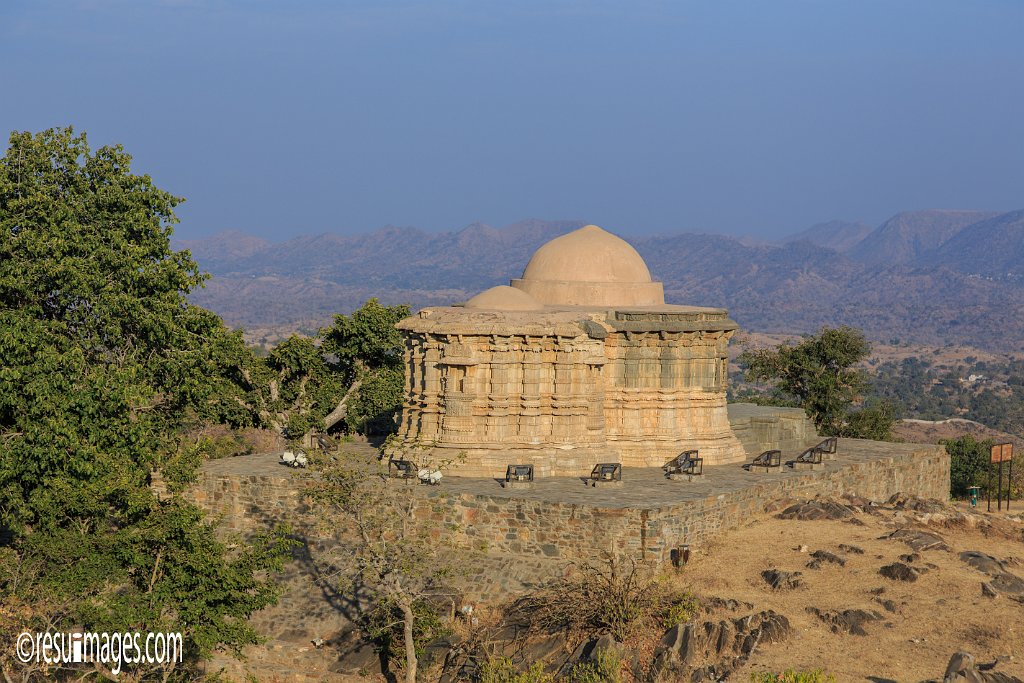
<point>578,362</point>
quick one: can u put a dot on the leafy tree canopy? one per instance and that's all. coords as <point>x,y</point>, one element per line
<point>970,464</point>
<point>818,374</point>
<point>349,374</point>
<point>369,353</point>
<point>367,340</point>
<point>103,363</point>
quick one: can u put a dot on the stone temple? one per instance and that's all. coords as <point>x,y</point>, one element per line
<point>579,361</point>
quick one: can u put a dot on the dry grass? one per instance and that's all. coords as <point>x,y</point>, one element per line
<point>942,612</point>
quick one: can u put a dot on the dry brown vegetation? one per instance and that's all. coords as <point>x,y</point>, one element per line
<point>922,623</point>
<point>940,613</point>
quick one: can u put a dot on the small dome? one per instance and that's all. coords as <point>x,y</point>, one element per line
<point>589,254</point>
<point>504,298</point>
<point>590,267</point>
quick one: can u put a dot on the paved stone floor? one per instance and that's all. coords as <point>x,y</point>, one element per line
<point>641,487</point>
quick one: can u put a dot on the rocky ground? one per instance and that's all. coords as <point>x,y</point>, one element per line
<point>884,592</point>
<point>867,591</point>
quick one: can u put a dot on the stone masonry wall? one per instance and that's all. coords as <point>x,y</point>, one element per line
<point>523,540</point>
<point>578,532</point>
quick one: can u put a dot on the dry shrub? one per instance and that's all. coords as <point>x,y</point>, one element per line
<point>618,596</point>
<point>262,440</point>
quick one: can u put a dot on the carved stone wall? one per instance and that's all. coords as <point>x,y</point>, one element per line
<point>564,390</point>
<point>666,394</point>
<point>506,398</point>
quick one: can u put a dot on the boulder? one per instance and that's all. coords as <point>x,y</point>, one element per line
<point>603,643</point>
<point>589,650</point>
<point>903,501</point>
<point>846,621</point>
<point>984,563</point>
<point>676,650</point>
<point>820,557</point>
<point>714,603</point>
<point>888,605</point>
<point>779,580</point>
<point>1002,581</point>
<point>1010,585</point>
<point>859,502</point>
<point>811,510</point>
<point>764,627</point>
<point>963,669</point>
<point>436,652</point>
<point>917,539</point>
<point>897,571</point>
<point>357,657</point>
<point>721,645</point>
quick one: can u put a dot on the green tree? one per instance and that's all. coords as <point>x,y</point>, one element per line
<point>369,351</point>
<point>399,559</point>
<point>349,374</point>
<point>969,464</point>
<point>819,375</point>
<point>103,364</point>
<point>293,387</point>
<point>874,421</point>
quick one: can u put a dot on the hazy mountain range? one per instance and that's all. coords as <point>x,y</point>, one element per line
<point>932,276</point>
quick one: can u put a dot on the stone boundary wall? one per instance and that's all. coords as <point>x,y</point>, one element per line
<point>579,532</point>
<point>500,525</point>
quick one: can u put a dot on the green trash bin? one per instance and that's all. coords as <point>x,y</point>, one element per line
<point>973,492</point>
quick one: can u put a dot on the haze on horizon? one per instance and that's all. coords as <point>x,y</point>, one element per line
<point>744,118</point>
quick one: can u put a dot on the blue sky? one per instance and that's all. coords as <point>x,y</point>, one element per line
<point>755,118</point>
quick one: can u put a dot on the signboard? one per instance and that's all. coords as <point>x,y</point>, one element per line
<point>1002,452</point>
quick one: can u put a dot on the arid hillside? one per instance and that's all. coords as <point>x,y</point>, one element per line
<point>930,277</point>
<point>864,591</point>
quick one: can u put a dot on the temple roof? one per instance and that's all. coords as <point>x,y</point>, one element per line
<point>590,267</point>
<point>589,254</point>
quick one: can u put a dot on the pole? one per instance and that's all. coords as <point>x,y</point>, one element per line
<point>1009,485</point>
<point>988,486</point>
<point>999,489</point>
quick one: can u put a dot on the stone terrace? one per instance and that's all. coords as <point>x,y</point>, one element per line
<point>641,489</point>
<point>563,519</point>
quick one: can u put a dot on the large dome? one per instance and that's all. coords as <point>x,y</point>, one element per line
<point>589,254</point>
<point>589,267</point>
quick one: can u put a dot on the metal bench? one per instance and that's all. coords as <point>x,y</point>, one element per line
<point>768,461</point>
<point>606,474</point>
<point>686,465</point>
<point>325,443</point>
<point>808,460</point>
<point>519,476</point>
<point>402,469</point>
<point>828,448</point>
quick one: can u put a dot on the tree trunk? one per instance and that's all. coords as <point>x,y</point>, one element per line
<point>410,645</point>
<point>341,410</point>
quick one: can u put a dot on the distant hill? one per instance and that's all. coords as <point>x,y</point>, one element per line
<point>909,236</point>
<point>992,248</point>
<point>839,235</point>
<point>944,282</point>
<point>224,248</point>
